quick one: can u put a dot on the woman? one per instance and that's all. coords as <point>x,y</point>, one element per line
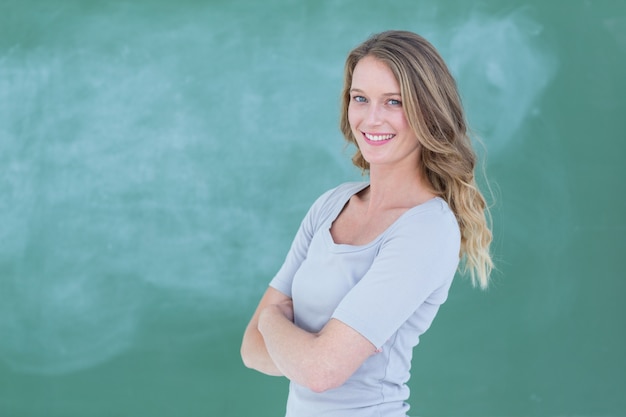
<point>373,261</point>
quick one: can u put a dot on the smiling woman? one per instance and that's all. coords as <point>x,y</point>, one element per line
<point>373,261</point>
<point>377,118</point>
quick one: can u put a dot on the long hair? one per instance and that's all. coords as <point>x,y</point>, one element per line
<point>434,112</point>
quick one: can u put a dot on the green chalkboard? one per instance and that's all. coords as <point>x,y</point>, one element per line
<point>156,158</point>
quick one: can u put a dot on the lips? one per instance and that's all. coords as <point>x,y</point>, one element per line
<point>379,138</point>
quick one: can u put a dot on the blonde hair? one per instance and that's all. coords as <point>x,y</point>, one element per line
<point>434,111</point>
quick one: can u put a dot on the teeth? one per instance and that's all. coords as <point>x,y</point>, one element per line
<point>378,137</point>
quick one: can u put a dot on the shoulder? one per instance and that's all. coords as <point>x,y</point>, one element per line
<point>432,221</point>
<point>426,238</point>
<point>330,203</point>
<point>346,189</point>
<point>434,210</point>
<point>338,195</point>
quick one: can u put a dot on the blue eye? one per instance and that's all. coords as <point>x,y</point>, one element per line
<point>359,99</point>
<point>395,102</point>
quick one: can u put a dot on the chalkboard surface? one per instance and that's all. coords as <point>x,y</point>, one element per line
<point>156,158</point>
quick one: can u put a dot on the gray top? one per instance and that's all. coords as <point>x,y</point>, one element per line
<point>388,290</point>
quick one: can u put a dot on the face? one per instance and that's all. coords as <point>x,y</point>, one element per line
<point>376,116</point>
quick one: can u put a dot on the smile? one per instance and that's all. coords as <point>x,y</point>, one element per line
<point>378,138</point>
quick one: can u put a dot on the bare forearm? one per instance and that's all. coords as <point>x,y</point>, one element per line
<point>255,355</point>
<point>319,361</point>
<point>289,347</point>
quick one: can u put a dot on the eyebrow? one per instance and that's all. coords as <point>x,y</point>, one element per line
<point>358,90</point>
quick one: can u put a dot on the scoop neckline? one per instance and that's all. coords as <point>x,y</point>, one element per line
<point>346,247</point>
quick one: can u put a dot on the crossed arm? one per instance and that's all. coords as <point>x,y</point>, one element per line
<point>274,345</point>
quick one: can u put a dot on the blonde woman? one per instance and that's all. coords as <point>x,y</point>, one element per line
<point>372,261</point>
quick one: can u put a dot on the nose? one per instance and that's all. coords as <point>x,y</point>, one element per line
<point>373,116</point>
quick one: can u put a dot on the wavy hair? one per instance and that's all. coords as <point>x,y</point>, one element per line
<point>433,109</point>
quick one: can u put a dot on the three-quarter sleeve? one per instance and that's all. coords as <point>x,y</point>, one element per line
<point>413,269</point>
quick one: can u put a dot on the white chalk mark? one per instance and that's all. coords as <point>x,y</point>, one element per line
<point>502,71</point>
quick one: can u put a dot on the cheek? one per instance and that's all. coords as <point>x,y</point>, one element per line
<point>353,118</point>
<point>400,121</point>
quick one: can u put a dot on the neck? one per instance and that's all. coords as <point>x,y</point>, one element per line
<point>397,187</point>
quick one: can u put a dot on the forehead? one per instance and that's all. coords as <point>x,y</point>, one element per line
<point>374,74</point>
